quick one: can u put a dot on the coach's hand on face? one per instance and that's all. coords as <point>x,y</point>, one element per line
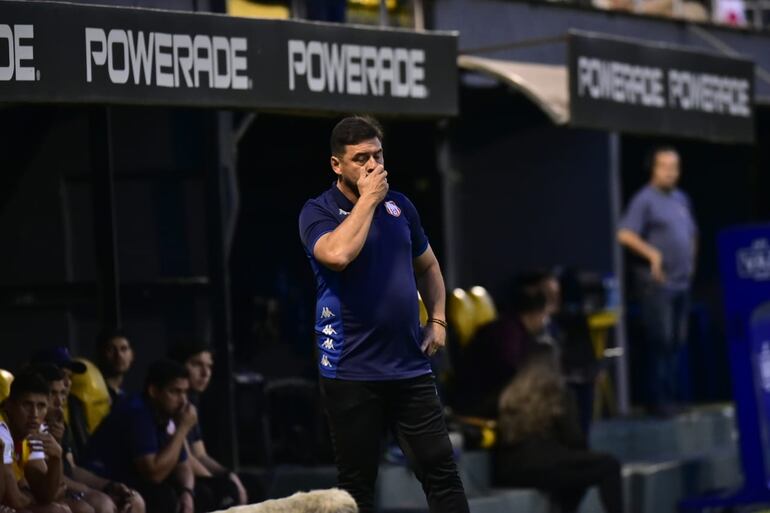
<point>374,183</point>
<point>433,338</point>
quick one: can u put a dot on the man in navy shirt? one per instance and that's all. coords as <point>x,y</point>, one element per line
<point>142,441</point>
<point>222,485</point>
<point>659,227</point>
<point>370,256</point>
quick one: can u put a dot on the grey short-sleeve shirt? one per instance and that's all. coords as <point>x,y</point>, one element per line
<point>665,221</point>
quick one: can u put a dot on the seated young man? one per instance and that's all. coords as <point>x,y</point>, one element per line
<point>83,487</point>
<point>141,442</point>
<point>224,486</point>
<point>76,416</point>
<point>32,470</point>
<point>115,356</point>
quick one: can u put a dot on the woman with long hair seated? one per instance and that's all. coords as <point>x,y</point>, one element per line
<point>541,445</point>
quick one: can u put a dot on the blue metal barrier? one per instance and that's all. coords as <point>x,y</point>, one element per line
<point>744,263</point>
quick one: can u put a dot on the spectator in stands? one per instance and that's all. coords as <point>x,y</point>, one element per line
<point>691,10</point>
<point>568,326</point>
<point>142,442</point>
<point>224,485</point>
<point>114,356</point>
<point>660,229</point>
<point>32,459</point>
<point>541,444</point>
<point>83,487</point>
<point>74,410</point>
<point>500,348</point>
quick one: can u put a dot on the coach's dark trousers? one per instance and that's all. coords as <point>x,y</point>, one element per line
<point>359,412</point>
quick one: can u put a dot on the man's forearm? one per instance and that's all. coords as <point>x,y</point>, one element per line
<point>199,468</point>
<point>74,485</point>
<point>184,475</point>
<point>341,246</point>
<point>88,478</point>
<point>213,465</point>
<point>636,244</point>
<point>13,498</point>
<point>168,457</point>
<point>431,286</point>
<point>45,486</point>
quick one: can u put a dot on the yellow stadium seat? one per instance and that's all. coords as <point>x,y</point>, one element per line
<point>92,391</point>
<point>423,311</point>
<point>600,324</point>
<point>461,315</point>
<point>249,9</point>
<point>484,306</point>
<point>5,384</point>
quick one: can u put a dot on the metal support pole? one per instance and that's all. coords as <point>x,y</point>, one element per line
<point>298,11</point>
<point>450,208</point>
<point>384,13</point>
<point>616,199</point>
<point>219,164</point>
<point>105,231</point>
<point>69,268</point>
<point>418,13</point>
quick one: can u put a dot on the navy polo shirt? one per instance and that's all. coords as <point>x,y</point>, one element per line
<point>367,322</point>
<point>131,430</point>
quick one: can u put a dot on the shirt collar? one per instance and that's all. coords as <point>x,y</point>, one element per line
<point>342,201</point>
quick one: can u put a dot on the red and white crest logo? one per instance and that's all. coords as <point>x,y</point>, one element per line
<point>392,208</point>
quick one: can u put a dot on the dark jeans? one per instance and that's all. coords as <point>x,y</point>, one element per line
<point>665,314</point>
<point>159,497</point>
<point>215,493</point>
<point>359,412</point>
<point>584,398</point>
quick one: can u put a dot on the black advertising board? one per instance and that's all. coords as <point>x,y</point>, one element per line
<point>69,53</point>
<point>626,86</point>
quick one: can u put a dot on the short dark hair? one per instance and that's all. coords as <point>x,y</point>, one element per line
<point>533,277</point>
<point>652,155</point>
<point>28,382</point>
<point>162,372</point>
<point>104,338</point>
<point>527,293</point>
<point>48,371</point>
<point>353,130</point>
<point>184,348</point>
<point>528,300</point>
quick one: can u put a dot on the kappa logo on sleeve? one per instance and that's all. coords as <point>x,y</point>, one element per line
<point>392,208</point>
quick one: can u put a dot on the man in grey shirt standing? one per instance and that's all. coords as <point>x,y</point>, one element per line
<point>659,227</point>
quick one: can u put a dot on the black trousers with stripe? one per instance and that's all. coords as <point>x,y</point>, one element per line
<point>360,412</point>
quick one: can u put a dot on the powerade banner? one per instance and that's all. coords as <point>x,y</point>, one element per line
<point>68,53</point>
<point>630,87</point>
